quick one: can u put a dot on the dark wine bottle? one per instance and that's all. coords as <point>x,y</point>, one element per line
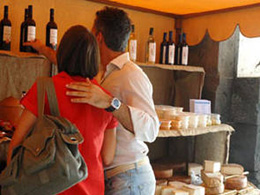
<point>163,49</point>
<point>51,32</point>
<point>5,31</point>
<point>178,51</point>
<point>185,50</point>
<point>22,30</point>
<point>30,30</point>
<point>170,50</point>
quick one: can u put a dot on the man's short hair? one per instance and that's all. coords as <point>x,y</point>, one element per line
<point>115,26</point>
<point>78,53</point>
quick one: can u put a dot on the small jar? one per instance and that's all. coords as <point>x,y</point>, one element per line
<point>215,118</point>
<point>203,118</point>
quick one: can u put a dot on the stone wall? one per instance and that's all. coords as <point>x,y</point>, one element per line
<point>236,99</point>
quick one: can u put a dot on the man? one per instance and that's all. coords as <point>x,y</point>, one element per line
<point>131,104</point>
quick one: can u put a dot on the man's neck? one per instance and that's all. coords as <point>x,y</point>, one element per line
<point>109,56</point>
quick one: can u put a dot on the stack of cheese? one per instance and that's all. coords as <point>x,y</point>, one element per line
<point>234,176</point>
<point>212,178</point>
<point>179,188</point>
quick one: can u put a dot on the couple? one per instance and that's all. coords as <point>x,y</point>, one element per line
<point>129,100</point>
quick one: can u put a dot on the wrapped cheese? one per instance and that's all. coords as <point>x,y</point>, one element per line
<point>194,190</point>
<point>169,190</point>
<point>212,179</point>
<point>196,168</point>
<point>215,190</point>
<point>211,166</point>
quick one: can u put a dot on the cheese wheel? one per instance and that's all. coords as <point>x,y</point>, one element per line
<point>163,173</point>
<point>232,169</point>
<point>236,183</point>
<point>180,178</point>
<point>215,190</point>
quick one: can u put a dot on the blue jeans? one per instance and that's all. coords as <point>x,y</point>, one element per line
<point>138,181</point>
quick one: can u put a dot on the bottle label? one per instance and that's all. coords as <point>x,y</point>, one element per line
<point>185,51</point>
<point>53,37</point>
<point>171,54</point>
<point>164,54</point>
<point>133,49</point>
<point>31,33</point>
<point>7,34</point>
<point>152,52</point>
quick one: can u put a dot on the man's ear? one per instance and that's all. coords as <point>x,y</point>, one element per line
<point>99,37</point>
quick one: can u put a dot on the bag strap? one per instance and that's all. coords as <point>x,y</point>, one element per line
<point>40,96</point>
<point>46,84</point>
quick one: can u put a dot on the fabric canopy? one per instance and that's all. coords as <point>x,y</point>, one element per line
<point>217,17</point>
<point>182,7</point>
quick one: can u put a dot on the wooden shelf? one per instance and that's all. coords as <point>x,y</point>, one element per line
<point>195,131</point>
<point>174,67</point>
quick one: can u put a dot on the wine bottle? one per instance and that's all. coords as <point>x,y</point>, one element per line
<point>30,30</point>
<point>163,49</point>
<point>22,30</point>
<point>178,51</point>
<point>5,31</point>
<point>132,45</point>
<point>150,48</point>
<point>185,50</point>
<point>170,50</point>
<point>51,32</point>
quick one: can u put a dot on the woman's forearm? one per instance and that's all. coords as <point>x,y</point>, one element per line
<point>25,123</point>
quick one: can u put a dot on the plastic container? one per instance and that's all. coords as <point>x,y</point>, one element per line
<point>184,118</point>
<point>176,124</point>
<point>164,111</point>
<point>178,109</point>
<point>165,124</point>
<point>193,120</point>
<point>203,118</point>
<point>215,118</point>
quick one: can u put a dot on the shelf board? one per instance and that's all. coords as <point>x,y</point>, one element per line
<point>174,67</point>
<point>195,131</point>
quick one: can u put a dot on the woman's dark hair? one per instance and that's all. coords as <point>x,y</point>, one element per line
<point>78,53</point>
<point>115,26</point>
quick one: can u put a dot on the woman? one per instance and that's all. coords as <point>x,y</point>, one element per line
<point>78,59</point>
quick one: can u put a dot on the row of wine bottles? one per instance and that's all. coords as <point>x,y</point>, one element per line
<point>169,52</point>
<point>27,31</point>
<point>174,54</point>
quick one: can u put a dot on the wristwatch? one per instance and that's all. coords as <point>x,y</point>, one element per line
<point>114,105</point>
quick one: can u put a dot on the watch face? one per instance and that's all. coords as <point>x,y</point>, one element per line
<point>116,103</point>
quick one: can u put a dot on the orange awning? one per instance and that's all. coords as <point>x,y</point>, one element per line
<point>183,7</point>
<point>217,17</point>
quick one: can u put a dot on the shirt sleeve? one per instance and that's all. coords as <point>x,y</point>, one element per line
<point>113,123</point>
<point>137,95</point>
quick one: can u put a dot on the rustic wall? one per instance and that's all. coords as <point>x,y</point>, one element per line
<point>72,12</point>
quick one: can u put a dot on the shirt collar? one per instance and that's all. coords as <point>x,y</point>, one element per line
<point>116,63</point>
<point>121,60</point>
